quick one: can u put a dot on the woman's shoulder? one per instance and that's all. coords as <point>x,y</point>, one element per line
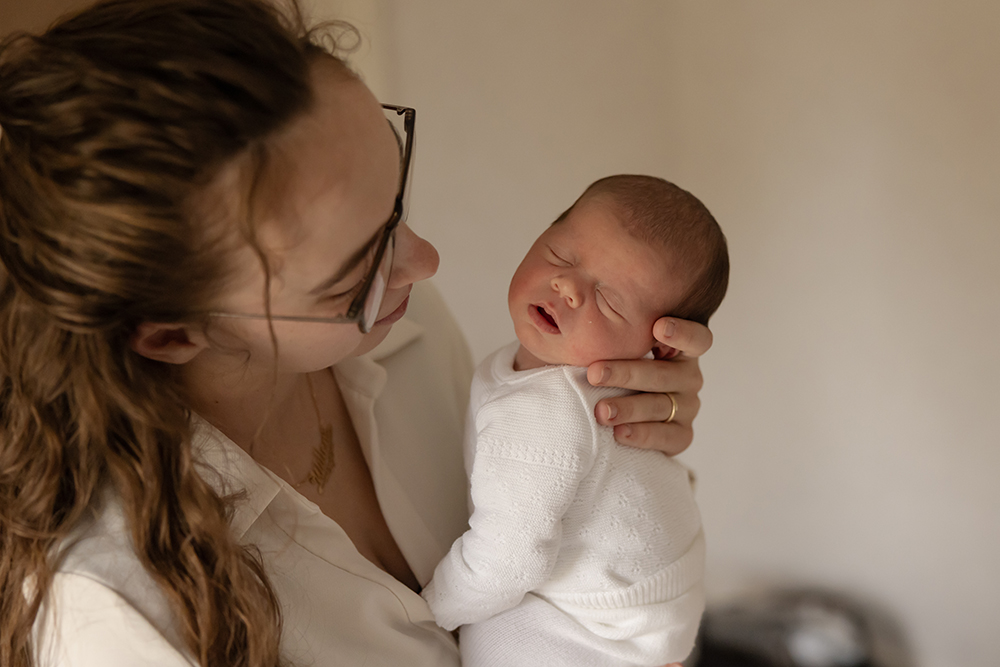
<point>87,622</point>
<point>103,606</point>
<point>100,546</point>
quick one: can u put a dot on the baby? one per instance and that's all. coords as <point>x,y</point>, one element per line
<point>582,552</point>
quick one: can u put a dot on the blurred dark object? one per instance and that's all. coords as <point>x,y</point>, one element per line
<point>800,628</point>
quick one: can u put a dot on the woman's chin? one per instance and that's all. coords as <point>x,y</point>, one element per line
<point>395,316</point>
<point>371,339</point>
<point>381,329</point>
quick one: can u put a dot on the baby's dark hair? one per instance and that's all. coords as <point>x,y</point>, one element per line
<point>659,213</point>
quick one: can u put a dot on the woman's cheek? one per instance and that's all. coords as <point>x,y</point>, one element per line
<point>302,349</point>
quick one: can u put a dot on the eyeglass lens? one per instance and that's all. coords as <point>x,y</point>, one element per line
<point>373,303</point>
<point>373,300</point>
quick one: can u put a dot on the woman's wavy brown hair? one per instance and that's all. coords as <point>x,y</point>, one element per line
<point>113,122</point>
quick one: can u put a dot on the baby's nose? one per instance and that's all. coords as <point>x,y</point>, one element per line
<point>567,288</point>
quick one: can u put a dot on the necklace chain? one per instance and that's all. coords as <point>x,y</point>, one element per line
<point>322,454</point>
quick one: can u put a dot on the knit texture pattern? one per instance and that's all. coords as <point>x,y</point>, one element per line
<point>595,546</point>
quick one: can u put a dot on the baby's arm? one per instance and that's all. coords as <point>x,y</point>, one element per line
<point>523,481</point>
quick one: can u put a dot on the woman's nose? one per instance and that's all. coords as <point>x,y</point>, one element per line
<point>414,259</point>
<point>567,288</point>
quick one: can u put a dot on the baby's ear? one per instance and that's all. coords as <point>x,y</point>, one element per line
<point>664,351</point>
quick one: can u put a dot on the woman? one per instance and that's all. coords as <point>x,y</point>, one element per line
<point>204,457</point>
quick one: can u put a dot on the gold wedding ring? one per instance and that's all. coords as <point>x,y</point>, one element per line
<point>673,408</point>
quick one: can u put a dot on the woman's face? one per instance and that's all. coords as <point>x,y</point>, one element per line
<point>339,165</point>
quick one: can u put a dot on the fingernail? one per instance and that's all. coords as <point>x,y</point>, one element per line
<point>605,375</point>
<point>625,432</point>
<point>612,411</point>
<point>668,328</point>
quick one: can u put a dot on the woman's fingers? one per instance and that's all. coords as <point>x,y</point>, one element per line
<point>640,408</point>
<point>691,338</point>
<point>639,420</point>
<point>671,439</point>
<point>669,386</point>
<point>678,375</point>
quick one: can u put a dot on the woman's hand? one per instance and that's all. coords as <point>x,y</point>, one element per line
<point>639,420</point>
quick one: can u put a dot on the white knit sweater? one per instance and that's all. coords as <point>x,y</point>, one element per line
<point>579,551</point>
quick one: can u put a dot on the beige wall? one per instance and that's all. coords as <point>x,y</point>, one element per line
<point>851,151</point>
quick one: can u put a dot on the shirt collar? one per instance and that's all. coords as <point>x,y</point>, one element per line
<point>229,470</point>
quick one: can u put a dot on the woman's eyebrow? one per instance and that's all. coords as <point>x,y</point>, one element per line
<point>349,264</point>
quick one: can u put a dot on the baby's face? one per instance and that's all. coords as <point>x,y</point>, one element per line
<point>588,290</point>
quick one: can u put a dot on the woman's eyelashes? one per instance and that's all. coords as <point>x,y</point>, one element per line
<point>355,279</point>
<point>338,292</point>
<point>346,294</point>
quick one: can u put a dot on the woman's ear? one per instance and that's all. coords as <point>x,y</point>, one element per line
<point>169,343</point>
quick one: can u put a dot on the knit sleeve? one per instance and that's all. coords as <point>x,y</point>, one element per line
<point>531,453</point>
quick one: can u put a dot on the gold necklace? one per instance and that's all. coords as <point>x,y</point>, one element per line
<point>322,455</point>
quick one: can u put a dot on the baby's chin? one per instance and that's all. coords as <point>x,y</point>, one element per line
<point>529,357</point>
<point>584,358</point>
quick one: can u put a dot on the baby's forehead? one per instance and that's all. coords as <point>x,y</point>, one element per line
<point>675,255</point>
<point>638,268</point>
<point>630,232</point>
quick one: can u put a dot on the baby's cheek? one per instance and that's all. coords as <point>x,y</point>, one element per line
<point>629,344</point>
<point>598,345</point>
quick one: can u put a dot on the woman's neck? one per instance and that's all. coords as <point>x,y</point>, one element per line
<point>248,404</point>
<point>275,420</point>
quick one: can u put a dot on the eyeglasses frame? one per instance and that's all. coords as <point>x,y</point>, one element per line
<point>355,312</point>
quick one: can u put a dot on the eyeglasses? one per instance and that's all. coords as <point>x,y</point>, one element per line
<point>366,304</point>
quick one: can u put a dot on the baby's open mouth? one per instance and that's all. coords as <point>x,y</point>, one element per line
<point>544,314</point>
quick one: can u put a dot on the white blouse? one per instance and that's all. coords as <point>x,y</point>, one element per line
<point>407,400</point>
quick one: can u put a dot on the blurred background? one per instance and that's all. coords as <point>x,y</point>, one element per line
<point>850,150</point>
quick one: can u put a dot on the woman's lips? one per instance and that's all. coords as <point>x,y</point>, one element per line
<point>542,319</point>
<point>395,315</point>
